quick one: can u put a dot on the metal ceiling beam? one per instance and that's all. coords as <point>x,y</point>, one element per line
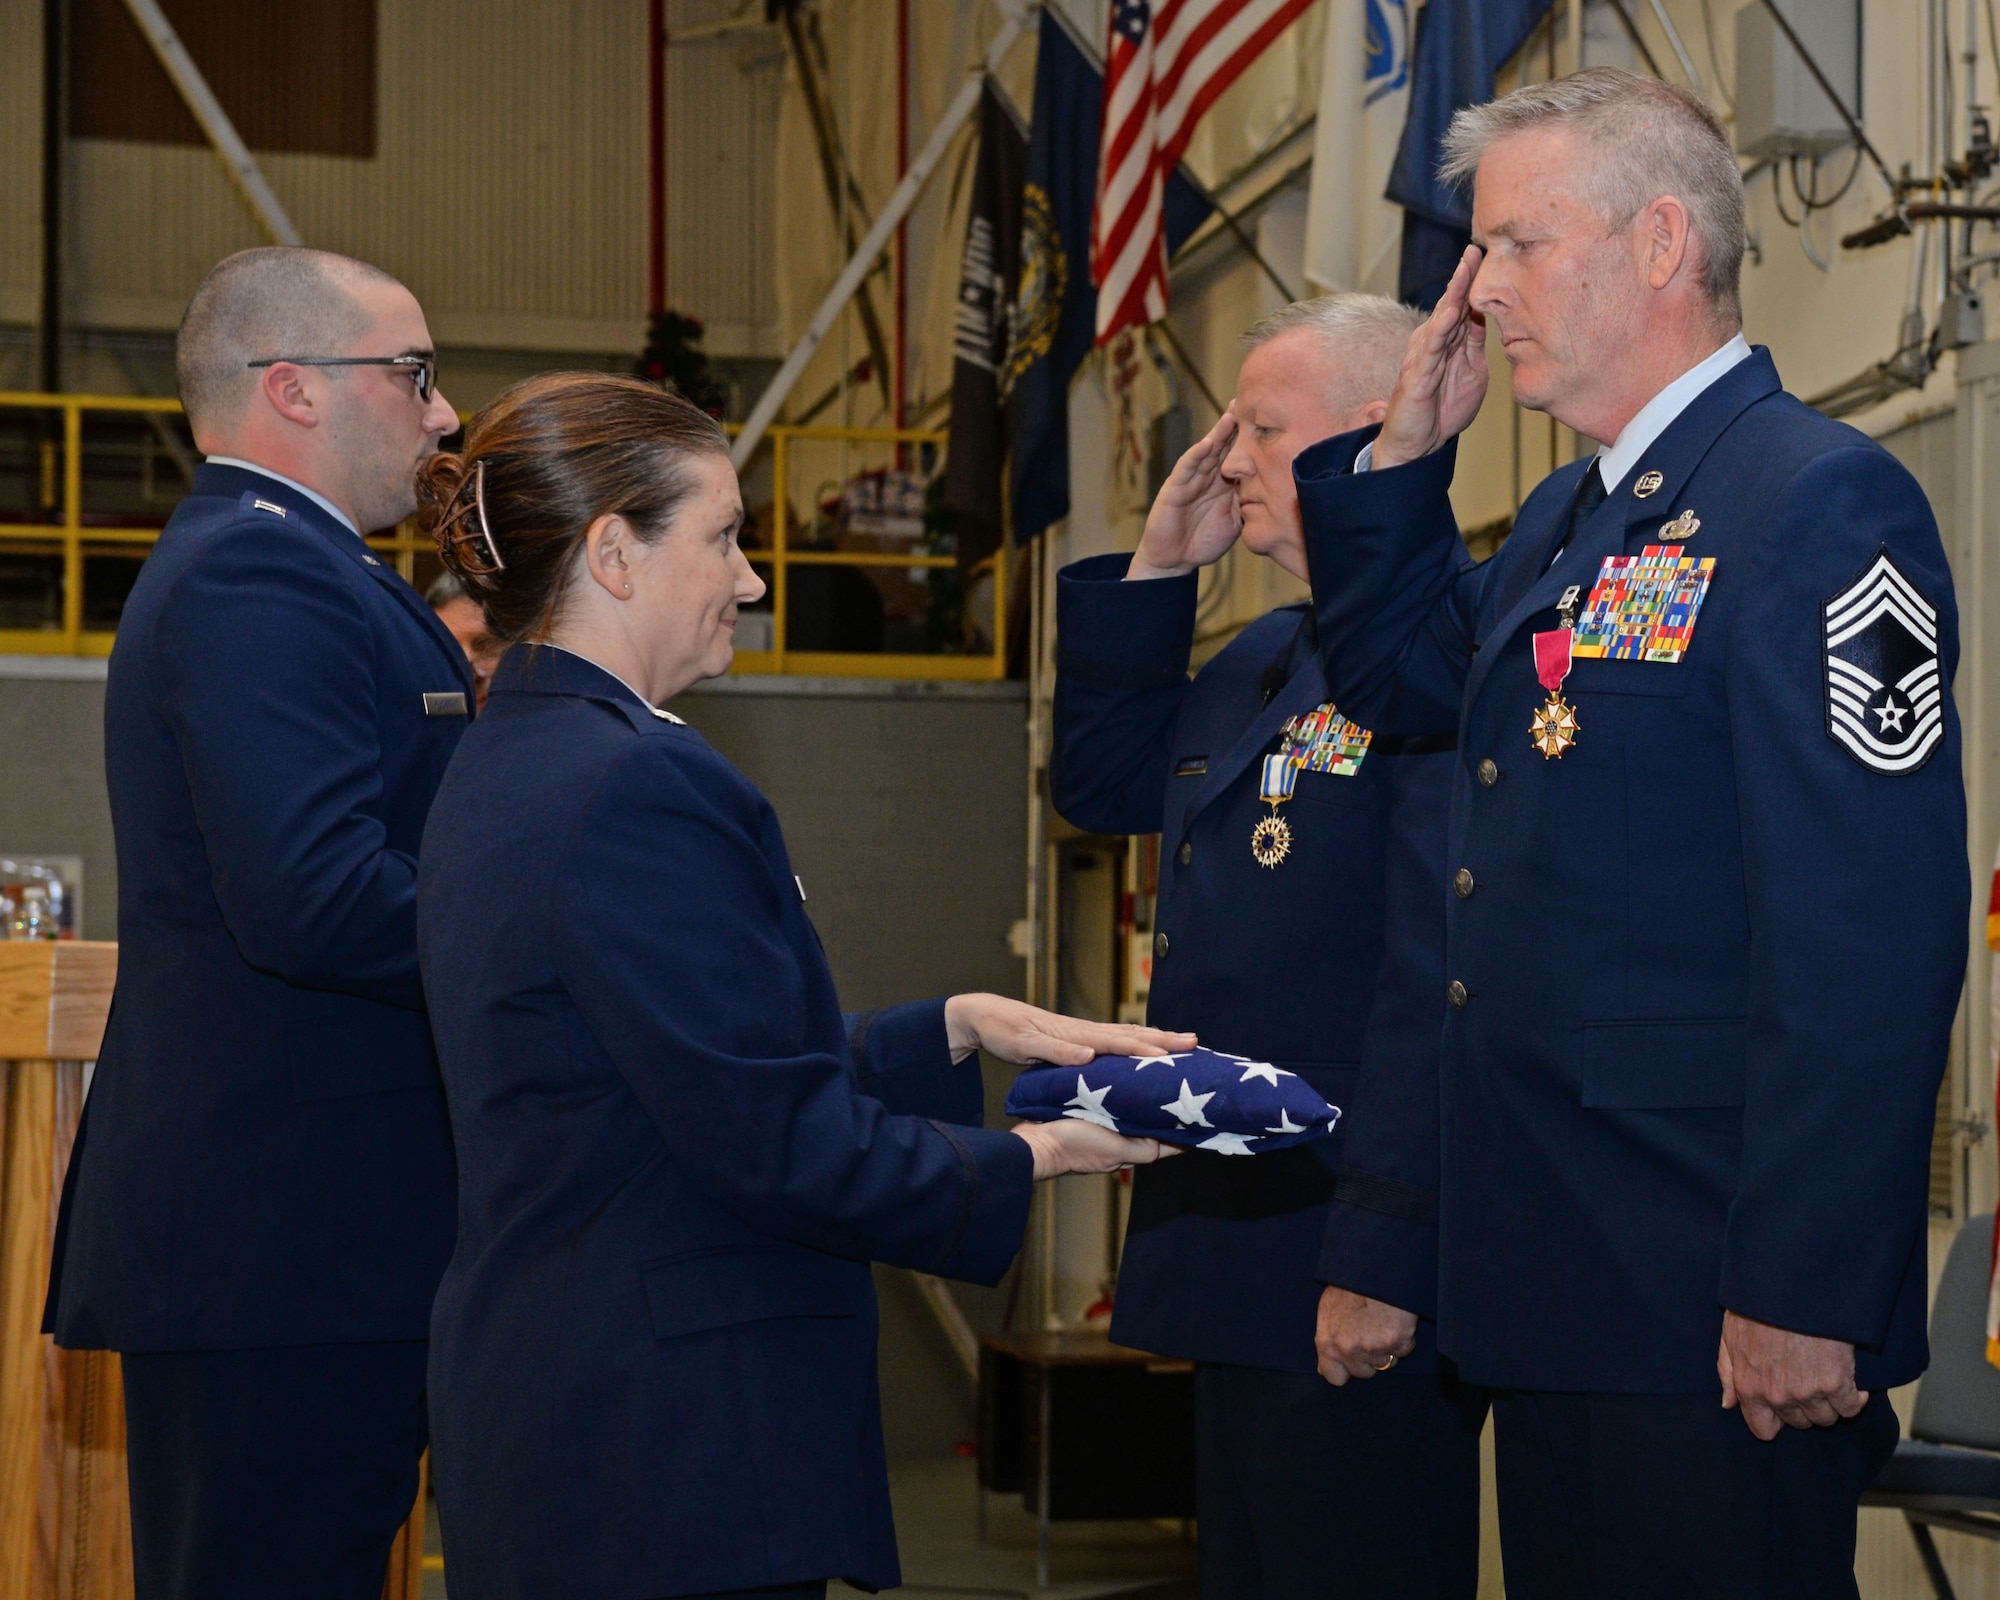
<point>215,123</point>
<point>862,261</point>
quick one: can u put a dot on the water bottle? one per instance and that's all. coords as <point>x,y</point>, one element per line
<point>34,918</point>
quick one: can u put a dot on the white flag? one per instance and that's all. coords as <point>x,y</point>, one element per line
<point>1353,236</point>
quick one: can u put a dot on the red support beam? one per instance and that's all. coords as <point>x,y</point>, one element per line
<point>902,228</point>
<point>656,135</point>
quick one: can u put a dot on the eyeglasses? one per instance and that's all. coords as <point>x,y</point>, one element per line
<point>424,368</point>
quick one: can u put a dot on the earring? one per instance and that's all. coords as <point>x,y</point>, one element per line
<point>628,588</point>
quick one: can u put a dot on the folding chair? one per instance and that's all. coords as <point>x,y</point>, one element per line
<point>1947,1474</point>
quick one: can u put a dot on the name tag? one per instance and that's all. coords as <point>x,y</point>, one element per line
<point>1190,766</point>
<point>444,705</point>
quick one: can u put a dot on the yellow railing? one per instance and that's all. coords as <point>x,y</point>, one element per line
<point>69,537</point>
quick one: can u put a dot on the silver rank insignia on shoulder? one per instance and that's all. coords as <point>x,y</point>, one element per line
<point>1884,695</point>
<point>370,560</point>
<point>265,505</point>
<point>1649,484</point>
<point>1684,526</point>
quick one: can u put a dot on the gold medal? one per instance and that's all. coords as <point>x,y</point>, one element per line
<point>1553,727</point>
<point>1271,839</point>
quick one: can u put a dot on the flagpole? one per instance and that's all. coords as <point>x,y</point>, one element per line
<point>765,412</point>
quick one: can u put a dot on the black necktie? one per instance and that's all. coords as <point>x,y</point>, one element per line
<point>1589,496</point>
<point>1304,646</point>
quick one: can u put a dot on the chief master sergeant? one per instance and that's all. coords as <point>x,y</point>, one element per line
<point>1709,885</point>
<point>1300,914</point>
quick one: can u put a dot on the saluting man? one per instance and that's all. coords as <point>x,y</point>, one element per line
<point>260,1203</point>
<point>1709,891</point>
<point>1300,914</point>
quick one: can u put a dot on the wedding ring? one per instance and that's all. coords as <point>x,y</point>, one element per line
<point>1388,1364</point>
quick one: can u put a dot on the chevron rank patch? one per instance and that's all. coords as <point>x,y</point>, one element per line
<point>1884,694</point>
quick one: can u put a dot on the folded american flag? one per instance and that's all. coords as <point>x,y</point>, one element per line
<point>1203,1099</point>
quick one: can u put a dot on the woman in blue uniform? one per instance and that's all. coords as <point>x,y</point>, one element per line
<point>653,1367</point>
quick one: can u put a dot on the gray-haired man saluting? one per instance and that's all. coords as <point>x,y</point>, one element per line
<point>1709,883</point>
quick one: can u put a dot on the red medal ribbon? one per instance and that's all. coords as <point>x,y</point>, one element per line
<point>1552,657</point>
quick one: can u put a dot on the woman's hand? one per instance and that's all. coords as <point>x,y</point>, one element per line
<point>1073,1146</point>
<point>1016,1032</point>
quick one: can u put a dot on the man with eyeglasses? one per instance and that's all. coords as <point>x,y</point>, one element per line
<point>260,1201</point>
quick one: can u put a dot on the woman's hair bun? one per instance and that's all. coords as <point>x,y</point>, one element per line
<point>439,478</point>
<point>447,512</point>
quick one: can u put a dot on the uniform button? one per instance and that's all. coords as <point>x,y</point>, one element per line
<point>1489,772</point>
<point>1462,884</point>
<point>1455,993</point>
<point>1187,852</point>
<point>1159,945</point>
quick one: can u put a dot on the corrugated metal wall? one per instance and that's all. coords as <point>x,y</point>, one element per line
<point>20,161</point>
<point>722,129</point>
<point>510,190</point>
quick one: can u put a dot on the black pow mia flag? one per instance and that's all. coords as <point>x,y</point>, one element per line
<point>987,272</point>
<point>1884,695</point>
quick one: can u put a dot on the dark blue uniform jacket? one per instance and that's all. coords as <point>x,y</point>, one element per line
<point>653,1363</point>
<point>264,1157</point>
<point>1709,956</point>
<point>1288,963</point>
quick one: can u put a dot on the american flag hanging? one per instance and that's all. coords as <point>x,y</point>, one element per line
<point>1165,64</point>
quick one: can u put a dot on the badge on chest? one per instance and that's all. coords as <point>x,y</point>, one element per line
<point>1320,740</point>
<point>1641,608</point>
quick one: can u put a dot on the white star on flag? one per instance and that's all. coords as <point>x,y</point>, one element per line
<point>1285,1123</point>
<point>1091,1105</point>
<point>1264,1069</point>
<point>1188,1107</point>
<point>1226,1144</point>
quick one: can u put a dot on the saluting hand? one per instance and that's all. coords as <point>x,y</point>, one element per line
<point>1358,1337</point>
<point>1019,1033</point>
<point>1443,380</point>
<point>1779,1379</point>
<point>1195,518</point>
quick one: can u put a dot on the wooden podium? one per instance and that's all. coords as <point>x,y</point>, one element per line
<point>65,1525</point>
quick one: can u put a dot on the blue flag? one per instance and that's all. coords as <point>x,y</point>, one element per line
<point>1054,315</point>
<point>1460,45</point>
<point>1201,1099</point>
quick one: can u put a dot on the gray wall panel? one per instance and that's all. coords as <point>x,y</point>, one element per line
<point>52,799</point>
<point>905,817</point>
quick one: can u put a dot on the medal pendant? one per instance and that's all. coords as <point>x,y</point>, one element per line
<point>1271,840</point>
<point>1553,727</point>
